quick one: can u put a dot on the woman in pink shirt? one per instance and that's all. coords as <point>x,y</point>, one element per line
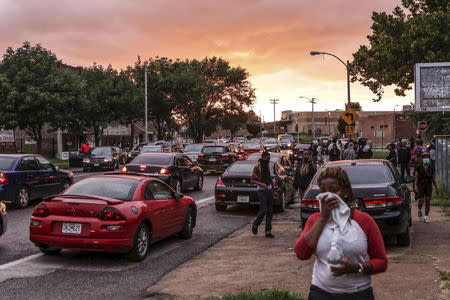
<point>362,245</point>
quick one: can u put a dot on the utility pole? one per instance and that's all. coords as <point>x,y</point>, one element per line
<point>313,101</point>
<point>274,102</point>
<point>146,108</point>
<point>260,123</point>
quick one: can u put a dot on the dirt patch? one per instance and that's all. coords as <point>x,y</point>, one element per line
<point>244,262</point>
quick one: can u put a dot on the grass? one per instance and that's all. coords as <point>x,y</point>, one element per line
<point>440,199</point>
<point>63,164</point>
<point>379,155</point>
<point>265,295</point>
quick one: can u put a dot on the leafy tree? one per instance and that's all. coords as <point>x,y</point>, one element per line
<point>438,123</point>
<point>417,32</point>
<point>356,106</point>
<point>251,125</point>
<point>234,122</point>
<point>39,91</point>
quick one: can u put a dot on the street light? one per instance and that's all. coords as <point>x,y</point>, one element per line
<point>313,53</point>
<point>312,101</point>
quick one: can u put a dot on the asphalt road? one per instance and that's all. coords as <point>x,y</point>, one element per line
<point>26,274</point>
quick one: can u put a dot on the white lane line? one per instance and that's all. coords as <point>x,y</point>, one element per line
<point>19,261</point>
<point>203,200</point>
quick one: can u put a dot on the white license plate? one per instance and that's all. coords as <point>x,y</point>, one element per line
<point>243,199</point>
<point>73,228</point>
<point>212,159</point>
<point>96,165</point>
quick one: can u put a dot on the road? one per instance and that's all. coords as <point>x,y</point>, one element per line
<point>25,273</point>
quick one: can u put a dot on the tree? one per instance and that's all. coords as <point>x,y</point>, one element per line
<point>233,122</point>
<point>417,32</point>
<point>252,124</point>
<point>356,106</point>
<point>437,123</point>
<point>39,91</point>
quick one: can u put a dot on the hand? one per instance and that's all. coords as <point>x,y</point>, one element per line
<point>345,267</point>
<point>327,205</point>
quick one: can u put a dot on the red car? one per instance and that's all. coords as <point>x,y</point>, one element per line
<point>250,148</point>
<point>112,213</point>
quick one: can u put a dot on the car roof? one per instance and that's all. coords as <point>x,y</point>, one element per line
<point>18,155</point>
<point>358,162</point>
<point>122,175</point>
<point>160,154</point>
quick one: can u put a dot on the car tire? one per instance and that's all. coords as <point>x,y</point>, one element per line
<point>282,206</point>
<point>221,207</point>
<point>404,239</point>
<point>22,198</point>
<point>188,226</point>
<point>141,243</point>
<point>199,185</point>
<point>49,251</point>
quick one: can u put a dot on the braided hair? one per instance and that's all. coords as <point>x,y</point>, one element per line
<point>340,175</point>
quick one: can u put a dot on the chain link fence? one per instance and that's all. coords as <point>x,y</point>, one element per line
<point>443,161</point>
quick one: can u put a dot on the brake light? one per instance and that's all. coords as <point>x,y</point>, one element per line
<point>3,178</point>
<point>382,202</point>
<point>41,211</point>
<point>164,171</point>
<point>225,155</point>
<point>310,203</point>
<point>124,170</point>
<point>220,182</point>
<point>201,155</point>
<point>111,214</point>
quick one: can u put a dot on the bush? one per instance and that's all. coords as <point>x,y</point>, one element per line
<point>266,295</point>
<point>440,199</point>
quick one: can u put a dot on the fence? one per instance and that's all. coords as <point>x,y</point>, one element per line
<point>443,161</point>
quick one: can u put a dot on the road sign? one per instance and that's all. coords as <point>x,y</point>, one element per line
<point>422,125</point>
<point>349,116</point>
<point>432,86</point>
<point>349,130</point>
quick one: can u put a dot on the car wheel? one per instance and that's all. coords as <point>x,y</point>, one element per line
<point>23,197</point>
<point>282,206</point>
<point>221,207</point>
<point>404,239</point>
<point>199,185</point>
<point>188,226</point>
<point>141,243</point>
<point>48,251</point>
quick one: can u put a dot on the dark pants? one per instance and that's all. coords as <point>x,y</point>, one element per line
<point>405,168</point>
<point>316,293</point>
<point>265,198</point>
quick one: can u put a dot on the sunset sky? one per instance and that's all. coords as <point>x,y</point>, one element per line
<point>271,38</point>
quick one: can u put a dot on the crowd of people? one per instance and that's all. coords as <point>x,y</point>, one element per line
<point>333,150</point>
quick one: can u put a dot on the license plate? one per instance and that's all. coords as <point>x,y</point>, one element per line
<point>243,199</point>
<point>73,228</point>
<point>96,165</point>
<point>212,159</point>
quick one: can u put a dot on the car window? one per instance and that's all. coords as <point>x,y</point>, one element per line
<point>153,160</point>
<point>193,148</point>
<point>45,164</point>
<point>251,146</point>
<point>214,150</point>
<point>29,164</point>
<point>116,188</point>
<point>245,169</point>
<point>159,191</point>
<point>182,161</point>
<point>6,162</point>
<point>358,174</point>
<point>101,151</point>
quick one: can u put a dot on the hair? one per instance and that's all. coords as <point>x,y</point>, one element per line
<point>343,181</point>
<point>265,154</point>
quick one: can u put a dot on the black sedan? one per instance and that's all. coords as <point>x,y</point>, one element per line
<point>234,186</point>
<point>216,158</point>
<point>175,169</point>
<point>24,177</point>
<point>102,158</point>
<point>378,190</point>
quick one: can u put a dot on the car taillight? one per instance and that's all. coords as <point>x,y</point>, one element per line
<point>111,214</point>
<point>220,182</point>
<point>124,170</point>
<point>201,155</point>
<point>310,203</point>
<point>225,155</point>
<point>274,183</point>
<point>41,211</point>
<point>3,178</point>
<point>382,202</point>
<point>164,171</point>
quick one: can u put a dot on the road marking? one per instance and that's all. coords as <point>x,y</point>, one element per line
<point>205,199</point>
<point>19,261</point>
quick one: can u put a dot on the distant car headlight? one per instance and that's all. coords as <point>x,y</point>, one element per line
<point>108,159</point>
<point>2,208</point>
<point>86,160</point>
<point>288,145</point>
<point>129,154</point>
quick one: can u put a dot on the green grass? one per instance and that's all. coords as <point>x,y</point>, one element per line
<point>266,295</point>
<point>379,155</point>
<point>440,199</point>
<point>63,164</point>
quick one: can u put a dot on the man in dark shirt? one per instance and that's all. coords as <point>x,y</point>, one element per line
<point>404,156</point>
<point>392,156</point>
<point>423,185</point>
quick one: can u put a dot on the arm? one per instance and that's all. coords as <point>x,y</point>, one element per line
<point>434,182</point>
<point>416,174</point>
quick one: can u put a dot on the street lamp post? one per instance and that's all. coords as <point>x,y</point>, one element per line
<point>146,107</point>
<point>312,101</point>
<point>346,67</point>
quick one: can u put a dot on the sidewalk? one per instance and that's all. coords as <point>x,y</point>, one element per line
<point>244,262</point>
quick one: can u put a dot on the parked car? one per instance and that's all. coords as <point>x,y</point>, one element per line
<point>271,145</point>
<point>175,169</point>
<point>298,150</point>
<point>279,158</point>
<point>136,151</point>
<point>378,191</point>
<point>112,213</point>
<point>154,148</point>
<point>234,186</point>
<point>217,157</point>
<point>25,177</point>
<point>3,218</point>
<point>102,158</point>
<point>193,150</point>
<point>286,143</point>
<point>250,148</point>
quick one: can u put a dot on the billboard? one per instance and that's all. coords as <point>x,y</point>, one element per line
<point>6,138</point>
<point>432,86</point>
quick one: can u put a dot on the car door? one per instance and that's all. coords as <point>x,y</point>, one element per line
<point>32,177</point>
<point>185,171</point>
<point>53,184</point>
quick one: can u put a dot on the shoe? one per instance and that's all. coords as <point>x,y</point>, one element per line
<point>426,219</point>
<point>269,235</point>
<point>254,229</point>
<point>420,215</point>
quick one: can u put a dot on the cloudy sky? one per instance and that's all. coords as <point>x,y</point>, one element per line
<point>271,38</point>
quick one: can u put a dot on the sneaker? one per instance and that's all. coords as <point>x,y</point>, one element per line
<point>426,219</point>
<point>254,229</point>
<point>420,215</point>
<point>269,235</point>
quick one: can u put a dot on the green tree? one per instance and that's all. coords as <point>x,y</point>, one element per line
<point>39,91</point>
<point>416,32</point>
<point>252,124</point>
<point>234,122</point>
<point>438,123</point>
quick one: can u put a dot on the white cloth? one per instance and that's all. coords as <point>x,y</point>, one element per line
<point>340,216</point>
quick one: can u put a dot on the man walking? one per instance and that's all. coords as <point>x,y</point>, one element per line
<point>423,185</point>
<point>404,156</point>
<point>263,179</point>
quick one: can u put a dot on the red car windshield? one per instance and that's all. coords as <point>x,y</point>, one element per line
<point>116,188</point>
